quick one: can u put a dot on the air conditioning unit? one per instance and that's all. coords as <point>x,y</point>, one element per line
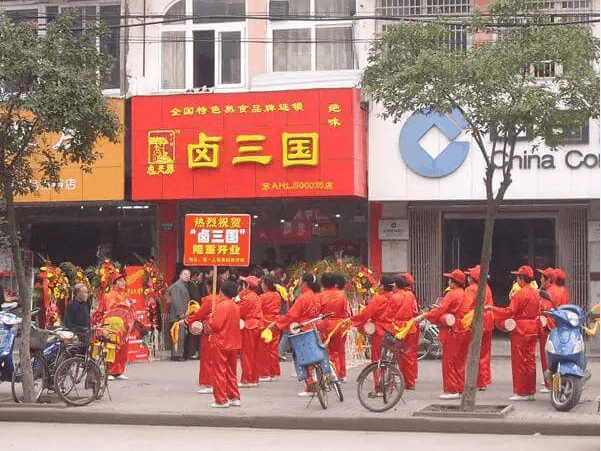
<point>279,8</point>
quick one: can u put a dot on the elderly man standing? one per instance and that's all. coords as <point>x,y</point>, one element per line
<point>178,301</point>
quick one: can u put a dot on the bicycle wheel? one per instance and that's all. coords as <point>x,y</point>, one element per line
<point>40,375</point>
<point>338,389</point>
<point>77,381</point>
<point>319,387</point>
<point>380,387</point>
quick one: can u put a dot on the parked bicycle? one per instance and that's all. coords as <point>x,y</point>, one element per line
<point>81,379</point>
<point>380,384</point>
<point>48,348</point>
<point>311,358</point>
<point>429,343</point>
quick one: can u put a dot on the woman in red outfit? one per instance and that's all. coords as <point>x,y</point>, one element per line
<point>225,341</point>
<point>563,297</point>
<point>455,339</point>
<point>117,298</point>
<point>205,370</point>
<point>307,306</point>
<point>378,311</point>
<point>406,310</point>
<point>488,324</point>
<point>268,359</point>
<point>334,302</point>
<point>524,308</point>
<point>250,313</point>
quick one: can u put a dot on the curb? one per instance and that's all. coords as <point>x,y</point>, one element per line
<point>46,414</point>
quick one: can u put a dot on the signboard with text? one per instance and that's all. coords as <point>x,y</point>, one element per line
<point>217,240</point>
<point>246,145</point>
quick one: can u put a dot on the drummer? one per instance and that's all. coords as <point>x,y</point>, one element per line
<point>307,306</point>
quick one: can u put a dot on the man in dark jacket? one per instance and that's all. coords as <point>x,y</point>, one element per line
<point>178,299</point>
<point>77,312</point>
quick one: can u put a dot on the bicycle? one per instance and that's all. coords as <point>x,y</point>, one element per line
<point>380,384</point>
<point>82,379</point>
<point>311,358</point>
<point>48,348</point>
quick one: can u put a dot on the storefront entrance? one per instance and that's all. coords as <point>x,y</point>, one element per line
<point>516,242</point>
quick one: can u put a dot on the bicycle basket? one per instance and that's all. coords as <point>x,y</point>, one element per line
<point>306,348</point>
<point>38,339</point>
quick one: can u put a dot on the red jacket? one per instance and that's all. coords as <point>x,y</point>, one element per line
<point>472,292</point>
<point>524,308</point>
<point>378,311</point>
<point>271,303</point>
<point>224,325</point>
<point>558,294</point>
<point>307,306</point>
<point>334,301</point>
<point>454,302</point>
<point>250,310</point>
<point>404,309</point>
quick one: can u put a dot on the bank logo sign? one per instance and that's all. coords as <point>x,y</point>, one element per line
<point>423,161</point>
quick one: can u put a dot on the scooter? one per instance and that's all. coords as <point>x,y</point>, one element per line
<point>9,323</point>
<point>566,357</point>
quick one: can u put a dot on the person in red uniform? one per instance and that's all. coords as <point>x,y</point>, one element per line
<point>251,314</point>
<point>307,306</point>
<point>405,310</point>
<point>455,339</point>
<point>267,354</point>
<point>378,311</point>
<point>117,298</point>
<point>205,366</point>
<point>334,302</point>
<point>524,308</point>
<point>563,297</point>
<point>488,324</point>
<point>225,341</point>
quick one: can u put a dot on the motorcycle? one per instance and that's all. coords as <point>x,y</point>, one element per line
<point>566,357</point>
<point>9,323</point>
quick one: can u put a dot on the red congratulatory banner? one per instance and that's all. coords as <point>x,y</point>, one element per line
<point>247,145</point>
<point>217,240</point>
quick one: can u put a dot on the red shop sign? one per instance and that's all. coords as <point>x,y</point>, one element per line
<point>246,145</point>
<point>216,240</point>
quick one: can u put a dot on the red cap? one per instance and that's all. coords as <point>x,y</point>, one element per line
<point>524,271</point>
<point>457,275</point>
<point>408,277</point>
<point>474,272</point>
<point>549,273</point>
<point>252,281</point>
<point>560,274</point>
<point>118,276</point>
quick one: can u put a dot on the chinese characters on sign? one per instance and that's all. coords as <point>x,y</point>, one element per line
<point>217,240</point>
<point>236,109</point>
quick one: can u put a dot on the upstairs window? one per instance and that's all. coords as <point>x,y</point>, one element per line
<point>312,45</point>
<point>204,49</point>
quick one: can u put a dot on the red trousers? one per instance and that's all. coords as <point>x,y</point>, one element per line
<point>542,341</point>
<point>205,371</point>
<point>454,355</point>
<point>225,382</point>
<point>337,353</point>
<point>485,365</point>
<point>523,363</point>
<point>251,339</point>
<point>268,357</point>
<point>118,366</point>
<point>408,359</point>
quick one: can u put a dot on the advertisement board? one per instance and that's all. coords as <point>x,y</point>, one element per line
<point>248,145</point>
<point>106,181</point>
<point>217,240</point>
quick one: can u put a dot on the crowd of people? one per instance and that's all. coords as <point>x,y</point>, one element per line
<point>222,328</point>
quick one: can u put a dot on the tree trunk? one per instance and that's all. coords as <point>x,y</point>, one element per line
<point>24,298</point>
<point>468,400</point>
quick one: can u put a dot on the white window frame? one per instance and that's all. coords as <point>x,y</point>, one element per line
<point>188,27</point>
<point>278,24</point>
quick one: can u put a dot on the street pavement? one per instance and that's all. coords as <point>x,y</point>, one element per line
<point>164,393</point>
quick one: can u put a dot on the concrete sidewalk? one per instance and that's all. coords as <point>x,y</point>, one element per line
<point>164,393</point>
